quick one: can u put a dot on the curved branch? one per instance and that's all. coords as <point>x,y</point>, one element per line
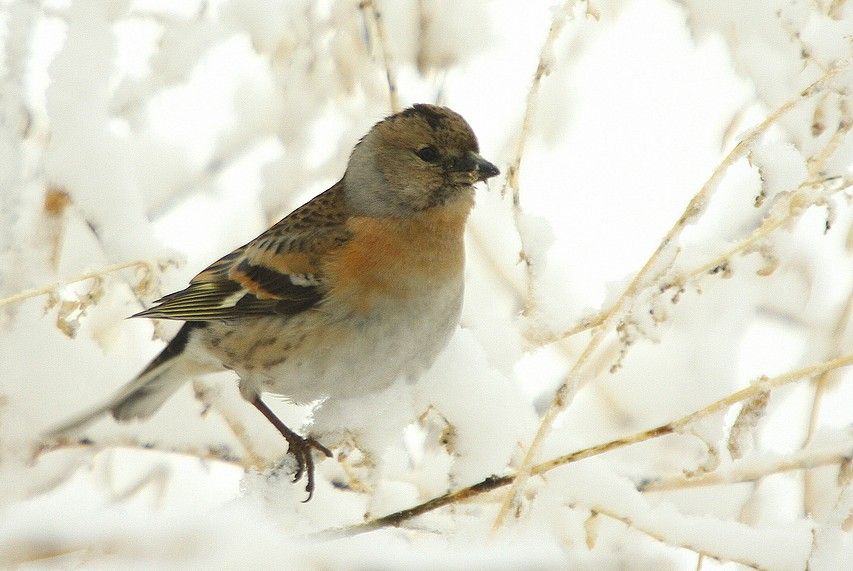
<point>565,393</point>
<point>145,265</point>
<point>495,482</point>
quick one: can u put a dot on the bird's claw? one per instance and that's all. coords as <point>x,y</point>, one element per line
<point>301,449</point>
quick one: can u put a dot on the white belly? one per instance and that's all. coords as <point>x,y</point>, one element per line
<point>342,356</point>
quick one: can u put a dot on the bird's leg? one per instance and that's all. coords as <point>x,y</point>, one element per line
<point>297,445</point>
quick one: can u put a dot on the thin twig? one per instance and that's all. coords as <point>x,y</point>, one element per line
<point>761,385</point>
<point>835,9</point>
<point>816,165</point>
<point>375,16</point>
<point>540,339</point>
<point>494,264</point>
<point>495,482</point>
<point>209,397</point>
<point>754,470</point>
<point>631,523</point>
<point>565,393</point>
<point>768,226</point>
<point>543,68</point>
<point>45,290</point>
<point>817,162</point>
<point>206,455</point>
<point>820,385</point>
<point>797,203</point>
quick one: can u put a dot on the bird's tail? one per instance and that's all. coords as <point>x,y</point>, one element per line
<point>141,397</point>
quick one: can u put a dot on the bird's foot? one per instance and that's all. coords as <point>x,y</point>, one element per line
<point>301,449</point>
<point>297,445</point>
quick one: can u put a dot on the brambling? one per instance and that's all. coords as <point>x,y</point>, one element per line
<point>359,286</point>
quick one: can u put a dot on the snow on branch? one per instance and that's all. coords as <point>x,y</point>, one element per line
<point>605,412</point>
<point>566,392</point>
<point>675,426</point>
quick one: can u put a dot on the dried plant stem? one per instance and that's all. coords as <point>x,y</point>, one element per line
<point>543,68</point>
<point>565,393</point>
<point>627,520</point>
<point>835,7</point>
<point>157,478</point>
<point>208,396</point>
<point>767,227</point>
<point>809,491</point>
<point>803,460</point>
<point>820,386</point>
<point>540,339</point>
<point>206,455</point>
<point>377,28</point>
<point>821,381</point>
<point>495,482</point>
<point>525,292</point>
<point>763,384</point>
<point>494,264</point>
<point>48,289</point>
<point>817,162</point>
<point>816,165</point>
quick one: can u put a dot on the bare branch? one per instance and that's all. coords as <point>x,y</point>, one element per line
<point>752,470</point>
<point>565,393</point>
<point>218,454</point>
<point>667,540</point>
<point>495,482</point>
<point>543,68</point>
<point>817,163</point>
<point>797,202</point>
<point>146,266</point>
<point>820,386</point>
<point>376,26</point>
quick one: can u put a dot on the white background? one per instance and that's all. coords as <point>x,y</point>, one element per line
<point>172,132</point>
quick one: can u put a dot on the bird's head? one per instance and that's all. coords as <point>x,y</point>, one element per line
<point>422,157</point>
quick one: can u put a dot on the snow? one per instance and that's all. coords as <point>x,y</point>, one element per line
<point>170,133</point>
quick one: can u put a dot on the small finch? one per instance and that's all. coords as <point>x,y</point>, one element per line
<point>356,288</point>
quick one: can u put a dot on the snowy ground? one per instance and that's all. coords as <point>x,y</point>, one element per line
<point>142,140</point>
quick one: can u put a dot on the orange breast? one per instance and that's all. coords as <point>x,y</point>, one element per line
<point>397,258</point>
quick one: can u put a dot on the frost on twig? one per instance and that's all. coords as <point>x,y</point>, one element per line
<point>214,453</point>
<point>70,310</point>
<point>757,468</point>
<point>761,386</point>
<point>821,385</point>
<point>694,209</point>
<point>746,422</point>
<point>197,124</point>
<point>511,181</point>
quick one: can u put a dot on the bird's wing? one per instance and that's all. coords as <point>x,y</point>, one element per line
<point>277,273</point>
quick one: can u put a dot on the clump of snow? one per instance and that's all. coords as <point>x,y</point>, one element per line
<point>168,133</point>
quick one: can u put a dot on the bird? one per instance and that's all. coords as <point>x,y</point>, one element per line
<point>358,287</point>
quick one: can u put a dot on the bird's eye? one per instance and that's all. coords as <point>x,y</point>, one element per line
<point>428,154</point>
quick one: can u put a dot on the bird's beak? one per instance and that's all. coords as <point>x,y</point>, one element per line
<point>485,169</point>
<point>473,163</point>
